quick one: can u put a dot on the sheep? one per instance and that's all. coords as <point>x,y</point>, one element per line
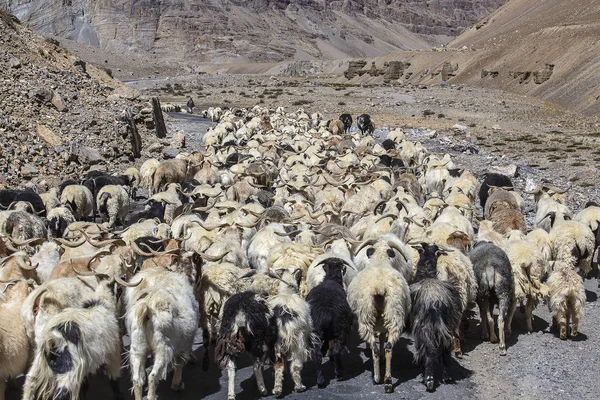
<point>566,299</point>
<point>247,324</point>
<point>174,171</point>
<point>387,248</point>
<point>218,283</point>
<point>487,233</point>
<point>50,199</point>
<point>365,124</point>
<point>493,273</point>
<point>74,343</point>
<point>147,171</point>
<point>162,319</point>
<point>434,317</point>
<point>549,211</point>
<point>46,258</point>
<point>113,204</point>
<point>507,219</point>
<point>79,199</point>
<point>59,219</point>
<point>293,255</point>
<point>22,225</point>
<point>14,345</point>
<point>331,315</point>
<point>347,121</point>
<point>541,239</point>
<point>529,268</point>
<point>573,243</point>
<point>292,316</point>
<point>492,179</point>
<point>337,127</point>
<point>9,196</point>
<point>262,243</point>
<point>379,296</point>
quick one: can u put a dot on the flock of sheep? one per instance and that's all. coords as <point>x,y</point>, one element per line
<point>277,239</point>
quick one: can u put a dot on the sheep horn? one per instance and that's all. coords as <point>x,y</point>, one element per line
<point>27,242</point>
<point>102,243</point>
<point>213,258</point>
<point>123,231</point>
<point>393,216</point>
<point>84,273</point>
<point>97,255</point>
<point>137,250</point>
<point>126,284</point>
<point>204,209</point>
<point>209,228</point>
<point>288,233</point>
<point>160,253</point>
<point>365,244</point>
<point>254,225</point>
<point>25,263</point>
<point>377,207</point>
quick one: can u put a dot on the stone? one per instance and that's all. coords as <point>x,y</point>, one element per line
<point>155,147</point>
<point>48,136</point>
<point>512,170</point>
<point>88,156</point>
<point>29,171</point>
<point>42,95</point>
<point>58,102</point>
<point>169,153</point>
<point>15,63</point>
<point>459,128</point>
<point>81,66</point>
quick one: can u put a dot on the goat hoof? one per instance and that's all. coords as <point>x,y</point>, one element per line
<point>277,392</point>
<point>300,389</point>
<point>493,339</point>
<point>263,391</point>
<point>458,354</point>
<point>388,388</point>
<point>321,382</point>
<point>502,352</point>
<point>430,383</point>
<point>231,397</point>
<point>178,387</point>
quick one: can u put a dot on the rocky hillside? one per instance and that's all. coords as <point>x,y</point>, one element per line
<point>545,48</point>
<point>58,116</point>
<point>256,30</point>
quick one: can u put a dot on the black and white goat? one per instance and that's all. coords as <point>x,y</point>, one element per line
<point>331,315</point>
<point>435,316</point>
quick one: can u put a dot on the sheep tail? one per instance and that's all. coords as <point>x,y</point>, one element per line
<point>431,334</point>
<point>228,347</point>
<point>102,206</point>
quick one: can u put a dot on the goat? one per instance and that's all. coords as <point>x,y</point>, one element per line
<point>331,315</point>
<point>365,124</point>
<point>566,299</point>
<point>493,273</point>
<point>435,315</point>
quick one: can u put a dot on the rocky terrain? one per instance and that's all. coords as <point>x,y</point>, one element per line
<point>258,30</point>
<point>60,116</point>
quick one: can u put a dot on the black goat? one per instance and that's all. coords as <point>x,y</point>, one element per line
<point>388,144</point>
<point>347,121</point>
<point>9,196</point>
<point>495,286</point>
<point>190,105</point>
<point>156,210</point>
<point>98,182</point>
<point>365,124</point>
<point>493,179</point>
<point>331,315</point>
<point>434,317</point>
<point>247,324</point>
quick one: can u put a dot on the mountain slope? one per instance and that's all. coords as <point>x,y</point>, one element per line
<point>255,30</point>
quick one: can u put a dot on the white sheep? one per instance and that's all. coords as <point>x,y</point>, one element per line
<point>566,299</point>
<point>573,243</point>
<point>79,199</point>
<point>113,204</point>
<point>161,319</point>
<point>147,171</point>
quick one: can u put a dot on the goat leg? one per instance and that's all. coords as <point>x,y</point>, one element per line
<point>258,374</point>
<point>177,384</point>
<point>279,368</point>
<point>319,361</point>
<point>376,365</point>
<point>529,314</point>
<point>337,359</point>
<point>387,380</point>
<point>231,379</point>
<point>205,345</point>
<point>502,308</point>
<point>296,369</point>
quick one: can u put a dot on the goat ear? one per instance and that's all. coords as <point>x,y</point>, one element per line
<point>298,275</point>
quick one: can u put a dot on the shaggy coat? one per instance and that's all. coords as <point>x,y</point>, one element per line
<point>331,315</point>
<point>435,317</point>
<point>493,273</point>
<point>567,299</point>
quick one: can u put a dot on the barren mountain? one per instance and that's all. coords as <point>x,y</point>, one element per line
<point>256,30</point>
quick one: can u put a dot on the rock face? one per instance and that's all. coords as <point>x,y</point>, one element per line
<point>255,30</point>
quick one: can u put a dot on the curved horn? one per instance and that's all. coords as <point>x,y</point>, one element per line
<point>84,273</point>
<point>365,244</point>
<point>27,242</point>
<point>161,253</point>
<point>379,205</point>
<point>137,250</point>
<point>25,263</point>
<point>127,284</point>
<point>213,258</point>
<point>297,231</point>
<point>393,216</point>
<point>68,243</point>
